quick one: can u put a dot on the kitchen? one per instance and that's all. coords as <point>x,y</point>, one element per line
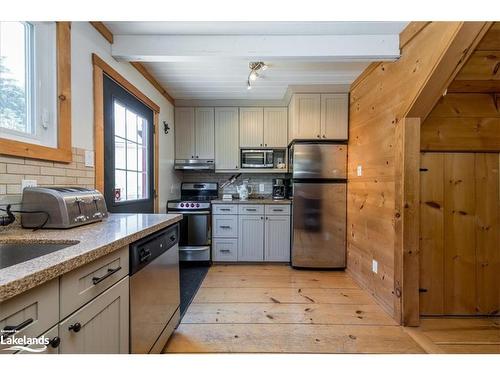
<point>188,205</point>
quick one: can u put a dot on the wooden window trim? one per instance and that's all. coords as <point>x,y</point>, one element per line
<point>61,153</point>
<point>101,68</point>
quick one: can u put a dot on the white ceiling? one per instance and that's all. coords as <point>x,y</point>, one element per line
<point>213,80</point>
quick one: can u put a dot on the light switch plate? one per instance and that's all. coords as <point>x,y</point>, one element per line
<point>359,170</point>
<point>89,158</point>
<point>374,266</point>
<point>28,183</point>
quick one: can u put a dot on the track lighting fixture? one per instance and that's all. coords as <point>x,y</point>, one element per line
<point>255,67</point>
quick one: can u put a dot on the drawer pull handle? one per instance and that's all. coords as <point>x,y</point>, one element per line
<point>225,227</point>
<point>11,330</point>
<point>278,210</point>
<point>225,209</point>
<point>225,250</point>
<point>97,280</point>
<point>55,342</point>
<point>76,327</point>
<point>251,209</point>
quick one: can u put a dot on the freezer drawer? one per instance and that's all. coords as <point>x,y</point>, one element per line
<point>318,161</point>
<point>319,225</point>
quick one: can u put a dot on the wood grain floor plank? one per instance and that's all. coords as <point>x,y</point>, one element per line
<point>461,330</point>
<point>279,313</point>
<point>283,295</point>
<point>290,338</point>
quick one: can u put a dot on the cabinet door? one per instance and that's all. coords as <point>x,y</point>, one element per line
<point>277,239</point>
<point>184,133</point>
<point>307,119</point>
<point>275,127</point>
<point>250,238</point>
<point>226,139</point>
<point>103,324</point>
<point>334,116</point>
<point>204,133</point>
<point>251,127</point>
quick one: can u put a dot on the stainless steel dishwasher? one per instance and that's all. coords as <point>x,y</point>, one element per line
<point>154,290</point>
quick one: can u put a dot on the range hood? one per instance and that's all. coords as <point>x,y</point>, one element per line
<point>194,165</point>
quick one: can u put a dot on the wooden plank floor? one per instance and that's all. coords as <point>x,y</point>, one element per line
<point>276,309</point>
<point>458,335</point>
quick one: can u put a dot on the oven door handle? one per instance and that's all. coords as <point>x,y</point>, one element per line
<point>190,212</point>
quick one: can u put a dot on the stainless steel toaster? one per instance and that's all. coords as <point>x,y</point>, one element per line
<point>62,207</point>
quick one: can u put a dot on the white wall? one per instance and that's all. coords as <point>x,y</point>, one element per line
<point>85,40</point>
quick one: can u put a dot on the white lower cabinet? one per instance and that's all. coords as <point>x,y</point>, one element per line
<point>225,249</point>
<point>101,326</point>
<point>277,239</point>
<point>250,238</point>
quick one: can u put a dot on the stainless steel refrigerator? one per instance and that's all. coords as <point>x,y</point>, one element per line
<point>319,188</point>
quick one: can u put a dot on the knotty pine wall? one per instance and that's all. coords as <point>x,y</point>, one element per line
<point>378,102</point>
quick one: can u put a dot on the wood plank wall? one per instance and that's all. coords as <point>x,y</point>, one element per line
<point>378,102</point>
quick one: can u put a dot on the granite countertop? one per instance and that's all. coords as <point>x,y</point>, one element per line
<point>253,201</point>
<point>93,241</point>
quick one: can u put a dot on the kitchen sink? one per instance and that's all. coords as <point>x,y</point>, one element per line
<point>12,253</point>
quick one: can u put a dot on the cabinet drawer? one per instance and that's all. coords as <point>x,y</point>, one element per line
<point>278,209</point>
<point>34,311</point>
<point>225,226</point>
<point>53,346</point>
<point>87,282</point>
<point>225,250</point>
<point>225,209</point>
<point>251,209</point>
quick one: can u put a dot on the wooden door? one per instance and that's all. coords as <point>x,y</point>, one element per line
<point>275,127</point>
<point>334,116</point>
<point>277,239</point>
<point>459,226</point>
<point>204,133</point>
<point>251,127</point>
<point>103,324</point>
<point>184,133</point>
<point>250,238</point>
<point>306,116</point>
<point>227,152</point>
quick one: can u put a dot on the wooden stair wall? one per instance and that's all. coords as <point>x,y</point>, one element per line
<point>460,202</point>
<point>387,103</point>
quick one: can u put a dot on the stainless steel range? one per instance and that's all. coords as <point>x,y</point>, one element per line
<point>196,225</point>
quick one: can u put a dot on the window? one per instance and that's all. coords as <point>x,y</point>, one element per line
<point>131,158</point>
<point>28,81</point>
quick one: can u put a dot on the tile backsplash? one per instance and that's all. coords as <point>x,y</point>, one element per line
<point>47,173</point>
<point>254,180</point>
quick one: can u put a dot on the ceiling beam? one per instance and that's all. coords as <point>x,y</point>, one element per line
<point>171,48</point>
<point>103,30</point>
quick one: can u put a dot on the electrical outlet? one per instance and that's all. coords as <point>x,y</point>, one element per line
<point>261,188</point>
<point>374,266</point>
<point>89,158</point>
<point>28,183</point>
<point>359,170</point>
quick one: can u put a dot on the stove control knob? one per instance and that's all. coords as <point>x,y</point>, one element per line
<point>192,204</point>
<point>182,204</point>
<point>197,205</point>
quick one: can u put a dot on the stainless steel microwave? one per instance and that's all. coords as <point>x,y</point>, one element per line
<point>257,158</point>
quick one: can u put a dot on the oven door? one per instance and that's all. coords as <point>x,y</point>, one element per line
<point>195,235</point>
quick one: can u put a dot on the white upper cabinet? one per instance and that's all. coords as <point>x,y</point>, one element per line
<point>204,133</point>
<point>251,127</point>
<point>275,127</point>
<point>184,133</point>
<point>334,116</point>
<point>319,116</point>
<point>227,153</point>
<point>306,116</point>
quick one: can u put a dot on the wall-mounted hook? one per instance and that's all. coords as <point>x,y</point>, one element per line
<point>166,128</point>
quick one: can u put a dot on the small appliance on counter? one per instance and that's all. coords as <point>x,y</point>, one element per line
<point>281,188</point>
<point>61,207</point>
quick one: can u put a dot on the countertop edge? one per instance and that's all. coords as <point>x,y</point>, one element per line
<point>32,280</point>
<point>253,201</point>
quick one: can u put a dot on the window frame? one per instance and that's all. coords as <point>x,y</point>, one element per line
<point>61,153</point>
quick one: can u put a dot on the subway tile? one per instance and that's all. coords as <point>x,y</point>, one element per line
<point>40,179</point>
<point>14,189</point>
<point>52,171</point>
<point>22,169</point>
<point>3,168</point>
<point>11,159</point>
<point>85,181</point>
<point>64,180</point>
<point>75,173</point>
<point>3,189</point>
<point>10,178</point>
<point>40,163</point>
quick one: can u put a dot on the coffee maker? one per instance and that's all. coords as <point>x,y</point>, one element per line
<point>281,187</point>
